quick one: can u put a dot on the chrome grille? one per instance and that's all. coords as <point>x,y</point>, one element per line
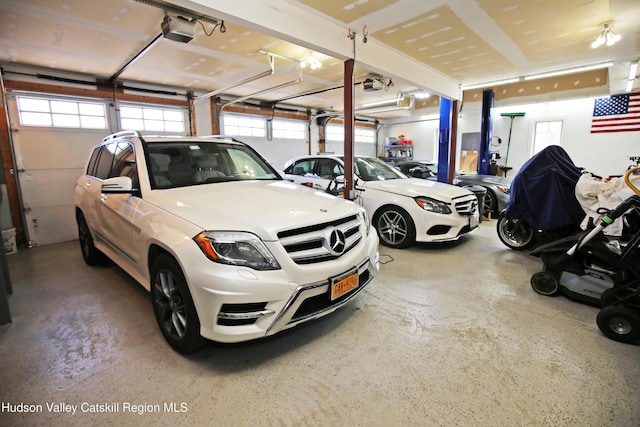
<point>321,242</point>
<point>467,205</point>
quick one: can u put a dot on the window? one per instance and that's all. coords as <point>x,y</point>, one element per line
<point>61,113</point>
<point>289,129</point>
<point>301,167</point>
<point>360,134</point>
<point>154,119</point>
<point>546,134</point>
<point>236,125</point>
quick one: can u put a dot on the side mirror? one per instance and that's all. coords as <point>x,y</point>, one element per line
<point>117,185</point>
<point>357,186</point>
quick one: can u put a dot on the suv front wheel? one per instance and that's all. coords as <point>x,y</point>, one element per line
<point>173,306</point>
<point>90,254</point>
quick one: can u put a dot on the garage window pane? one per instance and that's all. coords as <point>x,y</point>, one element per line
<point>237,125</point>
<point>289,129</point>
<point>58,113</point>
<point>152,119</point>
<point>334,133</point>
<point>89,122</point>
<point>152,114</point>
<point>35,119</point>
<point>31,104</point>
<point>64,107</point>
<point>132,123</point>
<point>131,113</point>
<point>66,120</point>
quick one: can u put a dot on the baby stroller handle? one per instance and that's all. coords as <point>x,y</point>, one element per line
<point>627,179</point>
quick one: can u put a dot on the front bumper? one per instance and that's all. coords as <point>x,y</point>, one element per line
<point>239,304</point>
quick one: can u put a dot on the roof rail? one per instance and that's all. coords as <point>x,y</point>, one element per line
<point>122,134</point>
<point>228,138</point>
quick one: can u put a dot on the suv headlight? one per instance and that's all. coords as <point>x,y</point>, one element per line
<point>365,218</point>
<point>432,205</point>
<point>236,248</point>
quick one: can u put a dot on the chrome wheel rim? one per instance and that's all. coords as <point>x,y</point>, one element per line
<point>513,233</point>
<point>392,227</point>
<point>170,305</point>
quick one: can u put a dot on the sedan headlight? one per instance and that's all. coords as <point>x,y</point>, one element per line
<point>236,248</point>
<point>432,205</point>
<point>502,188</point>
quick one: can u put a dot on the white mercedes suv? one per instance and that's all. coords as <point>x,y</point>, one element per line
<point>229,250</point>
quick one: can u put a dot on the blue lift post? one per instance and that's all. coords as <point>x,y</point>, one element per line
<point>484,156</point>
<point>443,142</point>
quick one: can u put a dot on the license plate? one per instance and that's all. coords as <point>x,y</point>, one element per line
<point>474,221</point>
<point>344,285</point>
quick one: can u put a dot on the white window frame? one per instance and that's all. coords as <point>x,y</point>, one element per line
<point>244,125</point>
<point>544,136</point>
<point>289,129</point>
<point>335,133</point>
<point>154,118</point>
<point>60,112</point>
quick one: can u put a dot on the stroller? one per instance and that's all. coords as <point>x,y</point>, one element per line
<point>593,268</point>
<point>542,204</point>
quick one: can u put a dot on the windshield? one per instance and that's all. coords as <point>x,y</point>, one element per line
<point>371,169</point>
<point>184,163</point>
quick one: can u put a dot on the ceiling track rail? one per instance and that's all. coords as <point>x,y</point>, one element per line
<point>271,89</point>
<point>258,76</point>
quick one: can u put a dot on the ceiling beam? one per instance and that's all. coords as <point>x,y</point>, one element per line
<point>281,19</point>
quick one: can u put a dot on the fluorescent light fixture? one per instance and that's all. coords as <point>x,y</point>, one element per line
<point>569,71</point>
<point>633,69</point>
<point>380,102</point>
<point>489,84</point>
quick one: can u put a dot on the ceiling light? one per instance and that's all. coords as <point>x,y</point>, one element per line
<point>607,36</point>
<point>311,62</point>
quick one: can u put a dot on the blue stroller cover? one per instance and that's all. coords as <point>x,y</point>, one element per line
<point>543,191</point>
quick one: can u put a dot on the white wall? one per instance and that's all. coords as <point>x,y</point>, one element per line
<point>603,154</point>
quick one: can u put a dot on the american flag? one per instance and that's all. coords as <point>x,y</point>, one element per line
<point>618,113</point>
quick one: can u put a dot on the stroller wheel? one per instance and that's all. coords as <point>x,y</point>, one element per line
<point>545,284</point>
<point>619,323</point>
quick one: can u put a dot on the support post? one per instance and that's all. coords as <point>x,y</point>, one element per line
<point>484,156</point>
<point>349,119</point>
<point>444,140</point>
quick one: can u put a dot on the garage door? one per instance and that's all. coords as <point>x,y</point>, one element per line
<point>49,160</point>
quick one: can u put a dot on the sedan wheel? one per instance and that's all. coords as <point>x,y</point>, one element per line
<point>173,306</point>
<point>395,228</point>
<point>490,203</point>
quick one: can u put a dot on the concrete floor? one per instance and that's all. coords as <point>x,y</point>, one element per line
<point>447,335</point>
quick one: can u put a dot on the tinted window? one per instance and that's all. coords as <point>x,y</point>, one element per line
<point>91,167</point>
<point>105,161</point>
<point>123,161</point>
<point>177,164</point>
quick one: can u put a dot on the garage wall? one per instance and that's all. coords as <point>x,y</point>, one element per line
<point>603,154</point>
